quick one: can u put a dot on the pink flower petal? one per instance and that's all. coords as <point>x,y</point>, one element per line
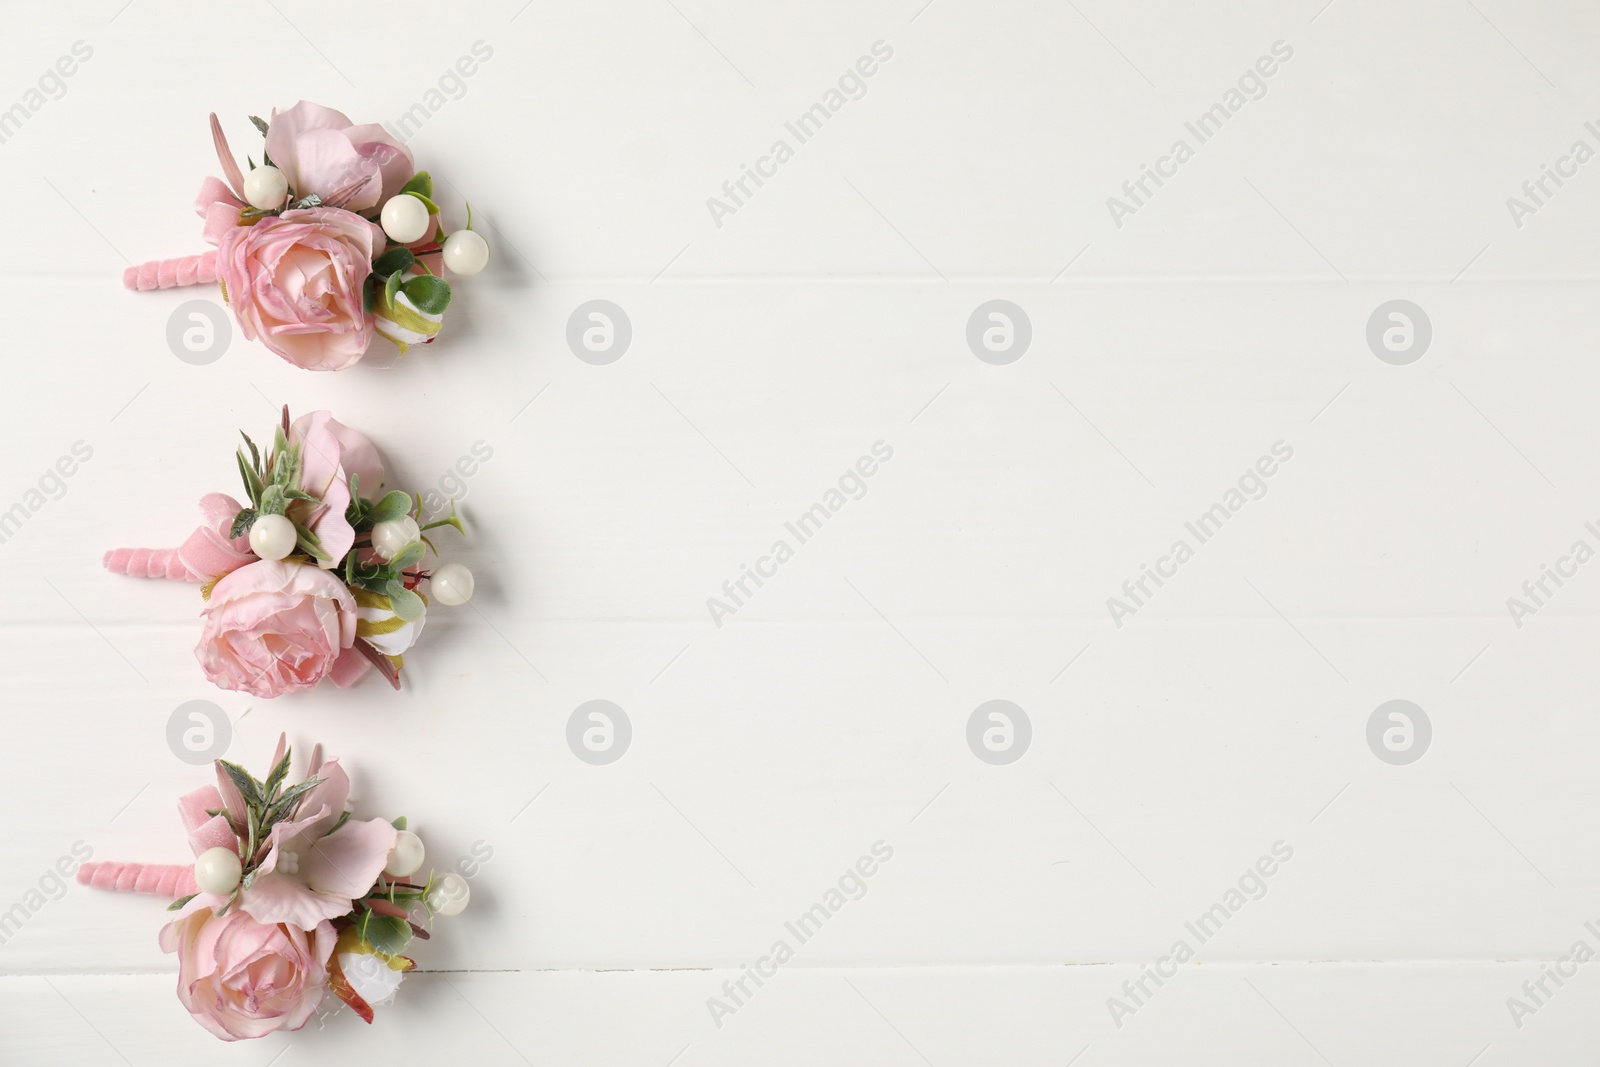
<point>349,861</point>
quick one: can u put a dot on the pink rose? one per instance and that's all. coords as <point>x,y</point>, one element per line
<point>320,151</point>
<point>274,628</point>
<point>330,452</point>
<point>240,978</point>
<point>295,283</point>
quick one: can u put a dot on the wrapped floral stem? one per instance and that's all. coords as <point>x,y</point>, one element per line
<point>172,273</point>
<point>168,880</point>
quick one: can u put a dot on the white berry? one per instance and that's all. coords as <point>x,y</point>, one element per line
<point>406,856</point>
<point>391,536</point>
<point>452,584</point>
<point>449,894</point>
<point>265,188</point>
<point>404,218</point>
<point>465,252</point>
<point>217,870</point>
<point>272,536</point>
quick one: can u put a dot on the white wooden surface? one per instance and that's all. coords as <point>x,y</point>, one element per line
<point>826,314</point>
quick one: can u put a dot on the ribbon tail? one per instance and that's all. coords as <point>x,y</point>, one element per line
<point>176,273</point>
<point>149,563</point>
<point>163,880</point>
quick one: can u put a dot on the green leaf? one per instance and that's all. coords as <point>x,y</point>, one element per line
<point>279,773</point>
<point>368,294</point>
<point>431,295</point>
<point>409,557</point>
<point>252,480</point>
<point>389,934</point>
<point>421,183</point>
<point>242,522</point>
<point>451,520</point>
<point>260,124</point>
<point>427,202</point>
<point>285,804</point>
<point>272,502</point>
<point>308,543</point>
<point>408,606</point>
<point>391,288</point>
<point>181,901</point>
<point>395,259</point>
<point>248,787</point>
<point>255,453</point>
<point>393,505</point>
<point>399,823</point>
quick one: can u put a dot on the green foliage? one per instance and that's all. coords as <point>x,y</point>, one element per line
<point>430,294</point>
<point>396,259</point>
<point>389,934</point>
<point>421,184</point>
<point>265,805</point>
<point>393,505</point>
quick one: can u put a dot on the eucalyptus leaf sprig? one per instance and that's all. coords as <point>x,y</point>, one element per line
<point>271,487</point>
<point>266,804</point>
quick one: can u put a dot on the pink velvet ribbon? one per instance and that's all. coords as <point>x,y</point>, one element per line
<point>168,880</point>
<point>206,831</point>
<point>172,273</point>
<point>209,553</point>
<point>218,205</point>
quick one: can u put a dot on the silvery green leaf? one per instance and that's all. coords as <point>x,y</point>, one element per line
<point>407,606</point>
<point>393,505</point>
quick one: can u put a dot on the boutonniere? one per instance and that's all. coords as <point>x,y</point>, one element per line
<point>289,898</point>
<point>334,237</point>
<point>320,573</point>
